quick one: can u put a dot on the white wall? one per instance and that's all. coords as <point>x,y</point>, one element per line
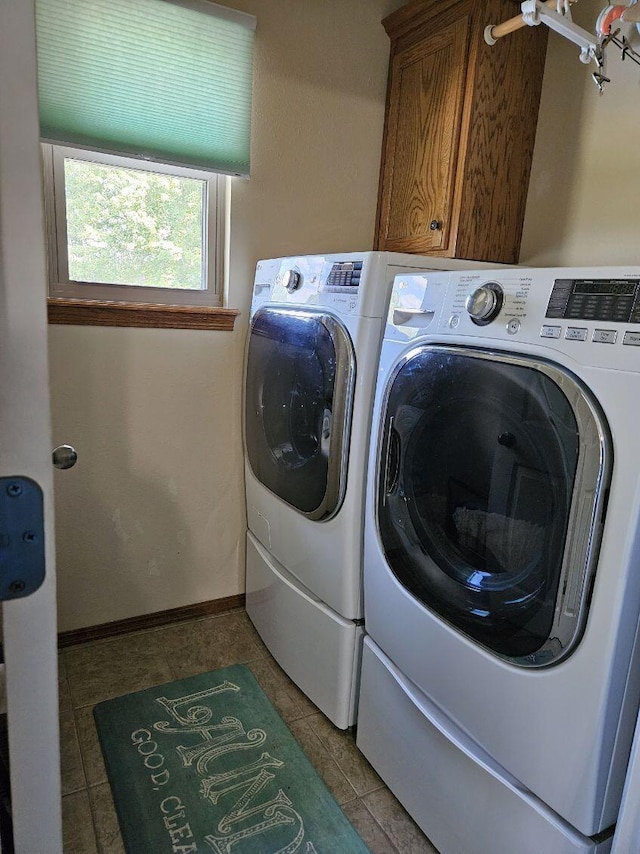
<point>152,516</point>
<point>583,205</point>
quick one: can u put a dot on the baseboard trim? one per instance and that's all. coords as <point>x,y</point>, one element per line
<point>150,621</point>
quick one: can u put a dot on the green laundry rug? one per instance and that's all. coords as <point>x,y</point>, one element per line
<point>206,764</point>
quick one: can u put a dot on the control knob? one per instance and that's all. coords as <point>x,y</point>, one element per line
<point>292,280</point>
<point>484,304</point>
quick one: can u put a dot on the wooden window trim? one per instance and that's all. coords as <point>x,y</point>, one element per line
<point>99,313</point>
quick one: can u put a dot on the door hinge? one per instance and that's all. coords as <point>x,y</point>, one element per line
<point>22,564</point>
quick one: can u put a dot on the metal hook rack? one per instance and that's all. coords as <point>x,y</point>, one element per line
<point>592,47</point>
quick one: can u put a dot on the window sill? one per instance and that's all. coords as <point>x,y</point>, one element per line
<point>98,313</point>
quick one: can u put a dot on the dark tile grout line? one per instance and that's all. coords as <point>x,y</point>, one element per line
<point>94,821</point>
<point>83,762</point>
<point>392,847</point>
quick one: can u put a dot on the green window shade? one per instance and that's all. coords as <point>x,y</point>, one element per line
<point>154,79</point>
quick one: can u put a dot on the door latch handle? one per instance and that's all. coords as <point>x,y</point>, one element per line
<point>64,457</point>
<point>392,461</point>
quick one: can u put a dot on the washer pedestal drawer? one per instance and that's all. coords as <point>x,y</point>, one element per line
<point>463,801</point>
<point>315,646</point>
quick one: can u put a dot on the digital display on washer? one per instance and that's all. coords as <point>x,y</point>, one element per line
<point>613,300</point>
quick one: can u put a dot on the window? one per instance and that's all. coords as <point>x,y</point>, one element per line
<point>144,109</point>
<point>122,229</point>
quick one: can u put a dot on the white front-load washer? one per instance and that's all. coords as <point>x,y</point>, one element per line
<point>500,677</point>
<point>315,331</point>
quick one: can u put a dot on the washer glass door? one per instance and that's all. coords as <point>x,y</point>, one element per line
<point>488,493</point>
<point>298,397</point>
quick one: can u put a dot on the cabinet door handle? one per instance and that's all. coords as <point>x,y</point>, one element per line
<point>435,225</point>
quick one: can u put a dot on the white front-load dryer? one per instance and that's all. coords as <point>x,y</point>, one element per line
<point>315,332</point>
<point>502,543</point>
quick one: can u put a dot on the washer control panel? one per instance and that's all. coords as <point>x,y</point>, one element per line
<point>492,299</point>
<point>590,315</point>
<point>613,300</point>
<point>484,304</point>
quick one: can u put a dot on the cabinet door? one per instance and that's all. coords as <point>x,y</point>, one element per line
<point>421,147</point>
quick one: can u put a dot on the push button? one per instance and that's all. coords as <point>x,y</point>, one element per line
<point>513,326</point>
<point>604,336</point>
<point>550,331</point>
<point>576,333</point>
<point>632,338</point>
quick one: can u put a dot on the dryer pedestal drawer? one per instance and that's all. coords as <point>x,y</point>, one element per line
<point>461,799</point>
<point>316,647</point>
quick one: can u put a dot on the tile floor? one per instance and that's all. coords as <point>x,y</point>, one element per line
<point>92,672</point>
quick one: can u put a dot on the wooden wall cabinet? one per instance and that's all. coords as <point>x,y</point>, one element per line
<point>459,130</point>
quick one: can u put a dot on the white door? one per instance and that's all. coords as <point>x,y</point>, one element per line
<point>29,623</point>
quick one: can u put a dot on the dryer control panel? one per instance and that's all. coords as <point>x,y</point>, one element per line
<point>343,275</point>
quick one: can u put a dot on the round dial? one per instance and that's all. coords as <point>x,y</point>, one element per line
<point>484,304</point>
<point>292,280</point>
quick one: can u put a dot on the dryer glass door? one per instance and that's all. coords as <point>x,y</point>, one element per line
<point>298,397</point>
<point>488,493</point>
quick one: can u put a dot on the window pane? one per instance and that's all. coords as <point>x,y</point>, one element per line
<point>134,227</point>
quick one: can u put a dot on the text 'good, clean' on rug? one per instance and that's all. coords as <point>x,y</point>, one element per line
<point>206,764</point>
